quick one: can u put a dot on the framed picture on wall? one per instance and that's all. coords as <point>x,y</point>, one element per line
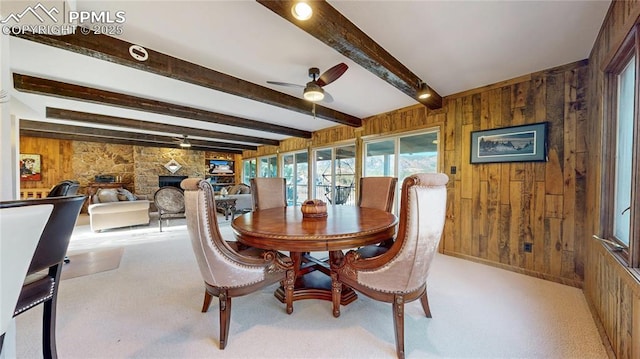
<point>526,143</point>
<point>30,167</point>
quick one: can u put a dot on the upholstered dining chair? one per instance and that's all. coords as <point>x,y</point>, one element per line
<point>170,203</point>
<point>43,276</point>
<point>378,192</point>
<point>227,270</point>
<point>400,274</point>
<point>268,192</point>
<point>20,230</point>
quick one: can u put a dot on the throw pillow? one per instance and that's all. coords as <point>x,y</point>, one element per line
<point>234,189</point>
<point>244,189</point>
<point>125,195</point>
<point>106,195</point>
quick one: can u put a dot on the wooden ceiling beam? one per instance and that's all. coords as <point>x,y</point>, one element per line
<point>125,135</point>
<point>331,27</point>
<point>118,141</point>
<point>41,86</point>
<point>93,118</point>
<point>112,49</point>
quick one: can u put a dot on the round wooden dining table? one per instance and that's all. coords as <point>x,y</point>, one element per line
<point>285,229</point>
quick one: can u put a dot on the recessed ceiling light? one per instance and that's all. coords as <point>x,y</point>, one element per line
<point>301,10</point>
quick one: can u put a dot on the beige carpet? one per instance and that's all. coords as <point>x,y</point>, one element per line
<point>149,307</point>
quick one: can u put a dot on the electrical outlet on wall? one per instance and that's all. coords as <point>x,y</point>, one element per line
<point>528,247</point>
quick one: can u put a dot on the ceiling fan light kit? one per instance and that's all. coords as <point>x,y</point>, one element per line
<point>313,92</point>
<point>301,10</point>
<point>184,143</point>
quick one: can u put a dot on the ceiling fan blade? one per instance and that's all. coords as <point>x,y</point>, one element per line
<point>327,97</point>
<point>284,84</point>
<point>332,74</point>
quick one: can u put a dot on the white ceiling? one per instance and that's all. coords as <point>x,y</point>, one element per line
<point>451,45</point>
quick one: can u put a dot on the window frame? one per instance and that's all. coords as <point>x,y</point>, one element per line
<point>629,48</point>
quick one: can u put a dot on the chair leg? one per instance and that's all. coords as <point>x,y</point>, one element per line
<point>225,318</point>
<point>49,350</point>
<point>1,342</point>
<point>160,222</point>
<point>425,304</point>
<point>336,293</point>
<point>207,301</point>
<point>398,321</point>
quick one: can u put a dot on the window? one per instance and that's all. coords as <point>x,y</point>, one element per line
<point>248,170</point>
<point>334,174</point>
<point>295,169</point>
<point>402,156</point>
<point>621,223</point>
<point>268,166</point>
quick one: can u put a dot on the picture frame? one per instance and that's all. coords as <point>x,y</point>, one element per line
<point>30,167</point>
<point>524,143</point>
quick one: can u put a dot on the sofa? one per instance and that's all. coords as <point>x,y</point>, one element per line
<point>117,207</point>
<point>242,193</point>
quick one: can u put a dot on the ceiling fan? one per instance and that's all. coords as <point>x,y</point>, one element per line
<point>182,141</point>
<point>313,91</point>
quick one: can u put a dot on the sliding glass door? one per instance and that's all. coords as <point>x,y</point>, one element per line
<point>295,169</point>
<point>401,156</point>
<point>334,174</point>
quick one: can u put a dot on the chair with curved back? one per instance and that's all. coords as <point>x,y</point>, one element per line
<point>43,276</point>
<point>61,189</point>
<point>268,192</point>
<point>170,203</point>
<point>400,274</point>
<point>227,270</point>
<point>20,230</point>
<point>64,188</point>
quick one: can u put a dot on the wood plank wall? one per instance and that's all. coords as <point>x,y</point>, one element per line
<point>56,160</point>
<point>496,208</point>
<point>612,292</point>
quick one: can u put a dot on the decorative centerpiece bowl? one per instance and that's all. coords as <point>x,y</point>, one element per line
<point>314,208</point>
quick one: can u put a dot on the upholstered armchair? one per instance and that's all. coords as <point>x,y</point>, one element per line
<point>400,274</point>
<point>268,192</point>
<point>228,271</point>
<point>169,201</point>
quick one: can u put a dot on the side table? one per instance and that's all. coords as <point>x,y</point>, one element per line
<point>227,205</point>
